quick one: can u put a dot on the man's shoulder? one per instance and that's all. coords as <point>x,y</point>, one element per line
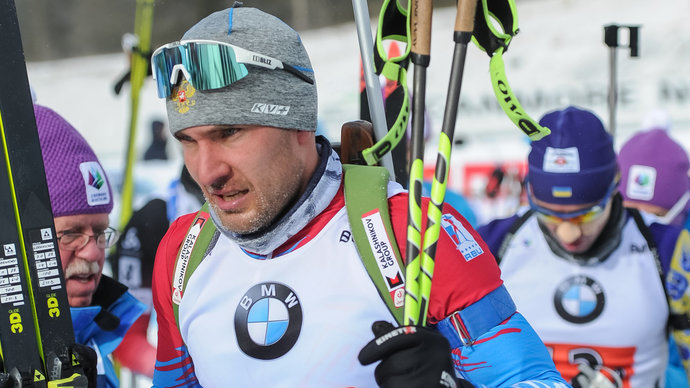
<point>667,238</point>
<point>499,226</point>
<point>155,208</point>
<point>177,231</point>
<point>185,221</point>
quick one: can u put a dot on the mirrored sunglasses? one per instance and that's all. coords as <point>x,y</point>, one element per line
<point>209,65</point>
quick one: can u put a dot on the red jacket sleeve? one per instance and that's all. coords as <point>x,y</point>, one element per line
<point>459,280</point>
<point>135,352</point>
<point>173,364</point>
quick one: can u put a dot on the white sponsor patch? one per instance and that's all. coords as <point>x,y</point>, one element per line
<point>95,183</point>
<point>561,160</point>
<point>399,297</point>
<point>46,234</point>
<point>183,259</point>
<point>270,109</point>
<point>380,244</point>
<point>9,250</point>
<point>641,182</point>
<point>461,237</point>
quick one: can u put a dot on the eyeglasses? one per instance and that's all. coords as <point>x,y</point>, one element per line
<point>209,65</point>
<point>579,217</point>
<point>73,241</point>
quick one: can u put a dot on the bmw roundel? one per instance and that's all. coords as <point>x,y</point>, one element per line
<point>268,321</point>
<point>579,299</point>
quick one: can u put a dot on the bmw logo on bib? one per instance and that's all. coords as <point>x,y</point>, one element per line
<point>579,299</point>
<point>268,321</point>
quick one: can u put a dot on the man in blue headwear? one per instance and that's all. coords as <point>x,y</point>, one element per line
<point>591,276</point>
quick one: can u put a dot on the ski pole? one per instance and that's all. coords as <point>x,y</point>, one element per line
<point>143,22</point>
<point>464,24</point>
<point>373,85</point>
<point>420,32</point>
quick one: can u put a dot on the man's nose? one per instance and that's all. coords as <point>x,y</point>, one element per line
<point>212,167</point>
<point>568,232</point>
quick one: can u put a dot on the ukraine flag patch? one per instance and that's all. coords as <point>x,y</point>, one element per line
<point>562,192</point>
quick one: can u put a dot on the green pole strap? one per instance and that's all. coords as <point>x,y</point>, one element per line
<point>509,102</point>
<point>495,24</point>
<point>393,25</point>
<point>373,154</point>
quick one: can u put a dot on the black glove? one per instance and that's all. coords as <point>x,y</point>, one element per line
<point>88,359</point>
<point>6,381</point>
<point>77,366</point>
<point>411,357</point>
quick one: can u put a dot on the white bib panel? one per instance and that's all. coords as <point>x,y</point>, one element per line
<point>613,313</point>
<point>239,316</point>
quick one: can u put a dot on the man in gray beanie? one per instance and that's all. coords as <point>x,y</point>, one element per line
<point>592,276</point>
<point>263,287</point>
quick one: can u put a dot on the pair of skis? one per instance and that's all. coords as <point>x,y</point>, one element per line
<point>36,331</point>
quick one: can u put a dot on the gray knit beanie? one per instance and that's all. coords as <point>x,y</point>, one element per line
<point>265,97</point>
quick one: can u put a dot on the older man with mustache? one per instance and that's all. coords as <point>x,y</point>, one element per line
<point>81,200</point>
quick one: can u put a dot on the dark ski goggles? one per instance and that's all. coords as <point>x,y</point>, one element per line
<point>209,65</point>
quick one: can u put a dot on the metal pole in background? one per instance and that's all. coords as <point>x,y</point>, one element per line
<point>611,40</point>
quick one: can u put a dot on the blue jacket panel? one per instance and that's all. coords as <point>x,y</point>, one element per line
<point>103,324</point>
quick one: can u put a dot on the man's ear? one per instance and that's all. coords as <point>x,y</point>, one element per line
<point>305,137</point>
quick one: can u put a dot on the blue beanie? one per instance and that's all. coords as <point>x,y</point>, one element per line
<point>576,163</point>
